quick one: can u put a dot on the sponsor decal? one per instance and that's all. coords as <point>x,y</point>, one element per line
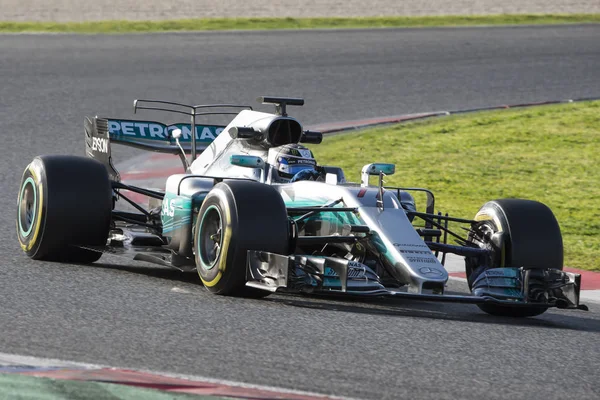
<point>302,161</point>
<point>357,273</point>
<point>296,161</point>
<point>355,270</point>
<point>168,208</point>
<point>430,271</point>
<point>410,245</point>
<point>100,144</point>
<point>503,272</point>
<point>125,129</point>
<point>306,153</point>
<point>495,272</point>
<point>422,260</point>
<point>404,251</point>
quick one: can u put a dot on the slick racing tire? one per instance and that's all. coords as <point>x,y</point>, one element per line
<point>237,216</point>
<point>531,238</point>
<point>64,202</point>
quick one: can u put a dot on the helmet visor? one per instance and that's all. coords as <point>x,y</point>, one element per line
<point>294,169</point>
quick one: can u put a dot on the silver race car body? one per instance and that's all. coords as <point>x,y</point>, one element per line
<point>248,230</point>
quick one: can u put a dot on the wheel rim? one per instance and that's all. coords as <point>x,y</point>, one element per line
<point>497,257</point>
<point>27,207</point>
<point>211,237</point>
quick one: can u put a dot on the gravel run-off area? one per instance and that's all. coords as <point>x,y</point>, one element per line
<point>90,10</point>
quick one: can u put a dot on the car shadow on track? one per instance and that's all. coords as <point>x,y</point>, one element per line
<point>440,311</point>
<point>158,271</point>
<point>571,319</point>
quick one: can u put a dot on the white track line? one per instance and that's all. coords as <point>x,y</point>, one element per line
<point>7,359</point>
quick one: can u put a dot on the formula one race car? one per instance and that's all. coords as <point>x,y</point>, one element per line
<point>254,214</point>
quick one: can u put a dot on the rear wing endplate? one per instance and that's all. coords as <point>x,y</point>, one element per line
<point>145,135</point>
<point>152,135</point>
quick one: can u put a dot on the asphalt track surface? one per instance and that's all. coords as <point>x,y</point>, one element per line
<point>139,316</point>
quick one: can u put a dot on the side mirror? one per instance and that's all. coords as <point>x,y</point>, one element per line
<point>243,132</point>
<point>375,169</point>
<point>311,137</point>
<point>247,161</point>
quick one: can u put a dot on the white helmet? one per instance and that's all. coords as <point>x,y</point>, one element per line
<point>290,159</point>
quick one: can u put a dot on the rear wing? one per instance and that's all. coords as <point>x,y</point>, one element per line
<point>152,135</point>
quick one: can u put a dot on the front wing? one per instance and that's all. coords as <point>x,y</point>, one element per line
<point>309,274</point>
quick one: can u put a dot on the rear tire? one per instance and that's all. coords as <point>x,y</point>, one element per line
<point>531,239</point>
<point>237,216</point>
<point>64,202</point>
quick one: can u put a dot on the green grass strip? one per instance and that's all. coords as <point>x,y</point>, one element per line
<point>548,153</point>
<point>211,24</point>
<point>15,386</point>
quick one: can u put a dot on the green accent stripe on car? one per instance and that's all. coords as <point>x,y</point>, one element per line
<point>176,211</point>
<point>335,217</point>
<point>25,233</point>
<point>202,262</point>
<point>173,225</point>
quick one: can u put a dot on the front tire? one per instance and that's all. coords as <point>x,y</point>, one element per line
<point>530,238</point>
<point>237,216</point>
<point>64,202</point>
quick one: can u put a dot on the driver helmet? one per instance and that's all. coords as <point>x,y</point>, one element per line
<point>290,159</point>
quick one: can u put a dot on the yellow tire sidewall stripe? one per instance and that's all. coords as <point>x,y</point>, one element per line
<point>38,218</point>
<point>224,248</point>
